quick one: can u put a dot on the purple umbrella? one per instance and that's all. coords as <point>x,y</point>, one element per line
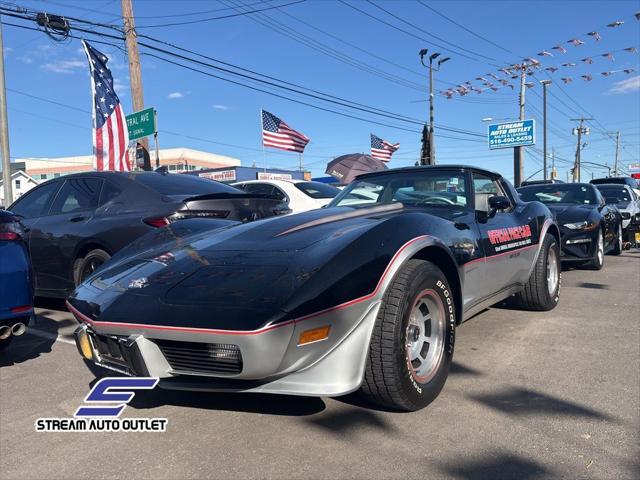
<point>346,167</point>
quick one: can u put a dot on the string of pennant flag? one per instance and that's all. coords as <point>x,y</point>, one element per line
<point>502,77</point>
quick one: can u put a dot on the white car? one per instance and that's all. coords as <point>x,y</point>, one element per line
<point>300,195</point>
<point>627,202</point>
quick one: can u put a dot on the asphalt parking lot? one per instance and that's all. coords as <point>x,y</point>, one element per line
<point>531,395</point>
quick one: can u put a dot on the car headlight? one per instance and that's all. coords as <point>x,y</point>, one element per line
<point>580,226</point>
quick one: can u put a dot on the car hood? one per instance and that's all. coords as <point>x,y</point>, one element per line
<point>571,213</point>
<point>244,274</point>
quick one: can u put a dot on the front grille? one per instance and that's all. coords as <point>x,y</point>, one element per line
<point>202,357</point>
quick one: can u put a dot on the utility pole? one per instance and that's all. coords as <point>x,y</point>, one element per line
<point>4,132</point>
<point>544,83</point>
<point>615,166</point>
<point>553,163</point>
<point>579,131</point>
<point>135,72</point>
<point>428,154</point>
<point>518,152</point>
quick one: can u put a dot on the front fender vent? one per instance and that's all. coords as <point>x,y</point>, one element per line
<point>207,358</point>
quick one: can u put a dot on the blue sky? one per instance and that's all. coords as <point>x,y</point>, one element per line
<point>194,105</point>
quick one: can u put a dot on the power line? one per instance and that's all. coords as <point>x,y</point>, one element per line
<point>201,20</point>
<point>420,29</point>
<point>464,28</point>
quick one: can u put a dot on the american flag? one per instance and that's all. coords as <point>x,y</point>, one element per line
<point>110,134</point>
<point>277,134</point>
<point>381,149</point>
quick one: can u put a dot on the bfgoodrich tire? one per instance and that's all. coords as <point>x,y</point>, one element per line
<point>85,266</point>
<point>412,341</point>
<point>542,291</point>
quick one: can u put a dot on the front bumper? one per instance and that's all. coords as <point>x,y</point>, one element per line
<point>578,245</point>
<point>270,361</point>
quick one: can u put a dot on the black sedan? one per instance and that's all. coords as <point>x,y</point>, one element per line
<point>76,223</point>
<point>363,294</point>
<point>590,228</point>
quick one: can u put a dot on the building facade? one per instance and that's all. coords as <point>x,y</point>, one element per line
<point>21,183</point>
<point>177,160</point>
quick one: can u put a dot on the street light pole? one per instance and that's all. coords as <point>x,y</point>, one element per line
<point>544,83</point>
<point>579,131</point>
<point>4,132</point>
<point>428,153</point>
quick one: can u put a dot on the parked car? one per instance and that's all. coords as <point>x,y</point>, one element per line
<point>355,295</point>
<point>632,182</point>
<point>76,223</point>
<point>540,182</point>
<point>589,227</point>
<point>16,289</point>
<point>628,204</point>
<point>299,195</point>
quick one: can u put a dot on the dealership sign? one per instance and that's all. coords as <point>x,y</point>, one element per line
<point>220,176</point>
<point>512,134</point>
<point>274,176</point>
<point>634,167</point>
<point>141,124</point>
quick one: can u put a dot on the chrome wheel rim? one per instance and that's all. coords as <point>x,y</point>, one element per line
<point>552,271</point>
<point>600,248</point>
<point>620,236</point>
<point>425,336</point>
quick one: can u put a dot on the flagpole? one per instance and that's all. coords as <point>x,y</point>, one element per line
<point>264,153</point>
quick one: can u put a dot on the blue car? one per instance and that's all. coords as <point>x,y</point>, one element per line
<point>16,283</point>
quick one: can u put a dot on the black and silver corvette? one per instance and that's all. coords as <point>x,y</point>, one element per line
<point>365,294</point>
<point>588,226</point>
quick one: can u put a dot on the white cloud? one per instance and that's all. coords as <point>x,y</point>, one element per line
<point>220,107</point>
<point>625,86</point>
<point>175,95</point>
<point>119,87</point>
<point>64,66</point>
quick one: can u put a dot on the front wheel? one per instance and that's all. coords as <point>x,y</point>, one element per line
<point>598,261</point>
<point>617,247</point>
<point>412,341</point>
<point>542,291</point>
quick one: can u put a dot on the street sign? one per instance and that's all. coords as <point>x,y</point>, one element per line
<point>141,124</point>
<point>512,134</point>
<point>273,176</point>
<point>220,175</point>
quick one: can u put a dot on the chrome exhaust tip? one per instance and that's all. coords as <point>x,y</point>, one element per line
<point>18,329</point>
<point>5,332</point>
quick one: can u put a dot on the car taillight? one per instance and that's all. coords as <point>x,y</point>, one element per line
<point>10,228</point>
<point>157,221</point>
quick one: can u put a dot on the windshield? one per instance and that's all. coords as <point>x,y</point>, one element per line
<point>433,188</point>
<point>622,194</point>
<point>182,184</point>
<point>559,193</point>
<point>317,189</point>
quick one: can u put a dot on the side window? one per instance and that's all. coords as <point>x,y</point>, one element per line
<point>109,192</point>
<point>259,188</point>
<point>279,194</point>
<point>36,203</point>
<point>484,188</point>
<point>77,195</point>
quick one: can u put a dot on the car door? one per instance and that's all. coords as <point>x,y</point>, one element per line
<point>55,236</point>
<point>505,236</point>
<point>32,207</point>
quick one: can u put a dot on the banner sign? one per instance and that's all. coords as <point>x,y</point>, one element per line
<point>274,176</point>
<point>512,134</point>
<point>220,176</point>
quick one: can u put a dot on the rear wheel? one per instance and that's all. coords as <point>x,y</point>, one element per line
<point>598,261</point>
<point>88,264</point>
<point>542,291</point>
<point>412,341</point>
